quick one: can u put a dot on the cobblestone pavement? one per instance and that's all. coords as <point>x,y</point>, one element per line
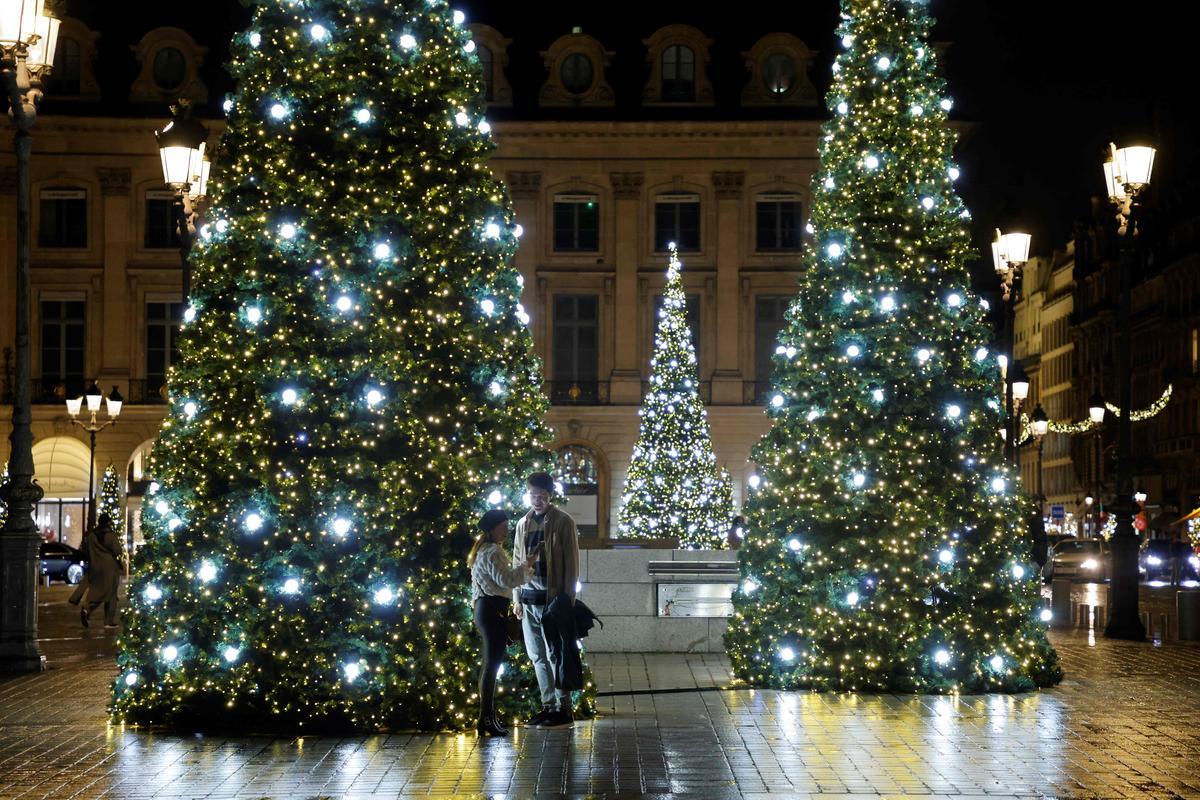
<point>1126,723</point>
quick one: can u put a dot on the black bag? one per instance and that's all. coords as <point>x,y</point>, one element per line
<point>585,619</point>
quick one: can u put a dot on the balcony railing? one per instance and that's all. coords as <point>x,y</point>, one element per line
<point>578,393</point>
<point>147,393</point>
<point>704,390</point>
<point>52,391</point>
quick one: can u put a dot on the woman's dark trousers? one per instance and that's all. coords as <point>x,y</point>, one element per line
<point>489,618</point>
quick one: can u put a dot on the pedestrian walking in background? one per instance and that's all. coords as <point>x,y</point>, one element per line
<point>104,572</point>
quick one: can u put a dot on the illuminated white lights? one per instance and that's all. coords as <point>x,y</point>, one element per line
<point>754,481</point>
<point>847,297</point>
<point>152,593</point>
<point>847,41</point>
<point>871,162</point>
<point>484,126</point>
<point>351,671</point>
<point>923,355</point>
<point>954,300</point>
<point>407,41</point>
<point>469,47</point>
<point>494,497</point>
<point>813,414</point>
<point>231,654</point>
<point>853,351</point>
<point>189,314</point>
<point>927,203</point>
<point>519,231</point>
<point>459,17</point>
<point>487,306</point>
<point>999,484</point>
<point>954,173</point>
<point>888,303</point>
<point>916,110</point>
<point>953,411</point>
<point>981,354</point>
<point>749,586</point>
<point>287,231</point>
<point>190,409</point>
<point>362,116</point>
<point>227,106</point>
<point>829,182</point>
<point>255,39</point>
<point>340,526</point>
<point>496,388</point>
<point>319,33</point>
<point>996,663</point>
<point>491,231</point>
<point>834,250</point>
<point>461,119</point>
<point>843,108</point>
<point>859,480</point>
<point>941,657</point>
<point>174,523</point>
<point>384,595</point>
<point>221,225</point>
<point>884,63</point>
<point>162,508</point>
<point>852,599</point>
<point>254,315</point>
<point>777,401</point>
<point>131,678</point>
<point>947,104</point>
<point>877,395</point>
<point>1046,615</point>
<point>794,545</point>
<point>1018,571</point>
<point>289,397</point>
<point>207,572</point>
<point>343,303</point>
<point>374,397</point>
<point>278,111</point>
<point>946,556</point>
<point>253,521</point>
<point>787,654</point>
<point>291,586</point>
<point>170,653</point>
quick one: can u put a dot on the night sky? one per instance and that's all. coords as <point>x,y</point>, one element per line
<point>1044,85</point>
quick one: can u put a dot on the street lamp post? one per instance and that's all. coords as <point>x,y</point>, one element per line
<point>113,405</point>
<point>1018,387</point>
<point>1041,425</point>
<point>28,38</point>
<point>181,145</point>
<point>1010,251</point>
<point>1126,175</point>
<point>1096,409</point>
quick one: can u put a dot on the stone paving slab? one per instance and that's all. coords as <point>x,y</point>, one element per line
<point>1125,724</point>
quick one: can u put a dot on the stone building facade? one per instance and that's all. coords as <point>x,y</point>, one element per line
<point>598,197</point>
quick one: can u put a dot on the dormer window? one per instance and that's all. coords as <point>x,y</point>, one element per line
<point>779,73</point>
<point>678,74</point>
<point>576,64</point>
<point>67,65</point>
<point>678,55</point>
<point>170,68</point>
<point>778,65</point>
<point>491,51</point>
<point>577,73</point>
<point>72,76</point>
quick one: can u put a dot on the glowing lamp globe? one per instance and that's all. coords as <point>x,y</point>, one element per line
<point>1131,166</point>
<point>181,145</point>
<point>1096,409</point>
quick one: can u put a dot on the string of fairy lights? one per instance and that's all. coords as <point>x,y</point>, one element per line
<point>356,384</point>
<point>674,488</point>
<point>1089,425</point>
<point>882,548</point>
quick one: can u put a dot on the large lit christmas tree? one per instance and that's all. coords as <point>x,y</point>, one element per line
<point>674,488</point>
<point>110,497</point>
<point>356,386</point>
<point>886,538</point>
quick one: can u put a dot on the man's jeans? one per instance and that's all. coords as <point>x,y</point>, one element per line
<point>539,653</point>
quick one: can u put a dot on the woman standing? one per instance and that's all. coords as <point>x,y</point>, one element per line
<point>492,580</point>
<point>104,572</point>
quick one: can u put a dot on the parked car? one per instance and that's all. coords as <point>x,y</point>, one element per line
<point>1082,559</point>
<point>61,562</point>
<point>1154,561</point>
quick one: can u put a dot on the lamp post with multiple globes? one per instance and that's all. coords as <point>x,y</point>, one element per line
<point>112,404</point>
<point>1010,252</point>
<point>28,39</point>
<point>181,145</point>
<point>1096,410</point>
<point>1126,174</point>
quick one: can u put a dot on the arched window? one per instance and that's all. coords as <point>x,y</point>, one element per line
<point>678,74</point>
<point>170,68</point>
<point>580,478</point>
<point>779,73</point>
<point>486,65</point>
<point>577,73</point>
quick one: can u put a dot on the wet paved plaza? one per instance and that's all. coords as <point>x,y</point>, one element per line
<point>1125,723</point>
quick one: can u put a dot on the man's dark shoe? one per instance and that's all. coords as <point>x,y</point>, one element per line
<point>559,719</point>
<point>540,717</point>
<point>83,617</point>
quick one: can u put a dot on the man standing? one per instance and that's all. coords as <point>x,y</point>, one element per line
<point>555,572</point>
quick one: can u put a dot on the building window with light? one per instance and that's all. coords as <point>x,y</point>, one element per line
<point>160,231</point>
<point>677,219</point>
<point>575,351</point>
<point>678,74</point>
<point>778,223</point>
<point>163,321</point>
<point>576,223</point>
<point>63,338</point>
<point>62,218</point>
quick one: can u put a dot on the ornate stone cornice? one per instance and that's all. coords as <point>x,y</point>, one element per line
<point>114,181</point>
<point>728,184</point>
<point>626,184</point>
<point>524,185</point>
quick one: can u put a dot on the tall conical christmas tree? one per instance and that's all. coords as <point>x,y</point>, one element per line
<point>356,386</point>
<point>673,488</point>
<point>110,497</point>
<point>886,539</point>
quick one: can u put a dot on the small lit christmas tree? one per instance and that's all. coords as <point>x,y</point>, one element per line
<point>3,505</point>
<point>886,546</point>
<point>356,386</point>
<point>111,501</point>
<point>674,488</point>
